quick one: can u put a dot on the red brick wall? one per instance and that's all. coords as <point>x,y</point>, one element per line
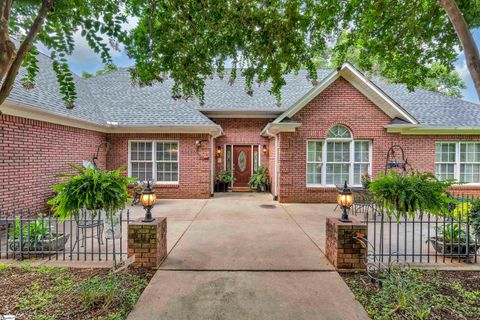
<point>194,180</point>
<point>242,131</point>
<point>341,103</point>
<point>32,153</point>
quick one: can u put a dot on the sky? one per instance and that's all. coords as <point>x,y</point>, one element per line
<point>84,59</point>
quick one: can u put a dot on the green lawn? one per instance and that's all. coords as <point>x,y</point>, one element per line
<point>62,293</point>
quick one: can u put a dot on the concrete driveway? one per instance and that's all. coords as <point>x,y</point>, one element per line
<point>244,256</point>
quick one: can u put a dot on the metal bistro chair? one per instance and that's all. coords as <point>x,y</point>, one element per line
<point>85,220</point>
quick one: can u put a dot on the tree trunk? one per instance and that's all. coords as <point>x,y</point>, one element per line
<point>12,70</point>
<point>470,49</point>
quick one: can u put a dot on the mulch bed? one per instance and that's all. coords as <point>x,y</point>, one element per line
<point>446,285</point>
<point>59,293</point>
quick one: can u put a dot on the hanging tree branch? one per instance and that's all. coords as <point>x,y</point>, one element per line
<point>13,69</point>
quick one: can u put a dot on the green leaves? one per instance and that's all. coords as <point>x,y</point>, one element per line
<point>190,41</point>
<point>91,189</point>
<point>259,180</point>
<point>403,195</point>
<point>98,21</point>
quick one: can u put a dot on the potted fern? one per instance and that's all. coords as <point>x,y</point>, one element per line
<point>259,181</point>
<point>96,191</point>
<point>223,179</point>
<point>401,195</point>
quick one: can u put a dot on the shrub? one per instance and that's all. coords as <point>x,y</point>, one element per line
<point>29,231</point>
<point>474,217</point>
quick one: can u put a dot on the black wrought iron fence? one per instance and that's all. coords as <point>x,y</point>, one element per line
<point>87,236</point>
<point>423,238</point>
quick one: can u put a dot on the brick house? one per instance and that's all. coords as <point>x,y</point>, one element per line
<point>317,138</point>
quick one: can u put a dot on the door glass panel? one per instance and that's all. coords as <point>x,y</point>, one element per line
<point>242,161</point>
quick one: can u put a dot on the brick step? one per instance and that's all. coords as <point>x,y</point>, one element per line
<point>241,189</point>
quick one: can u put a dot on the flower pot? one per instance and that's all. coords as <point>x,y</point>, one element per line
<point>221,186</point>
<point>54,243</point>
<point>452,248</point>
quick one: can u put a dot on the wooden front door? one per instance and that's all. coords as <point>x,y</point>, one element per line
<point>242,165</point>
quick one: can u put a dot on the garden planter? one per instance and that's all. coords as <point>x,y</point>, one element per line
<point>452,248</point>
<point>221,186</point>
<point>55,243</point>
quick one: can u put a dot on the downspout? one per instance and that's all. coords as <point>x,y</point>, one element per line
<point>275,136</point>
<point>275,197</point>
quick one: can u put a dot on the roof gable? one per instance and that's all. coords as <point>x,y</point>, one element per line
<point>362,84</point>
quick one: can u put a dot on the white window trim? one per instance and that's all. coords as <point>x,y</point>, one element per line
<point>457,163</point>
<point>324,161</point>
<point>154,160</point>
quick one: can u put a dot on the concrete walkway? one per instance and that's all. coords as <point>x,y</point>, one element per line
<point>243,256</point>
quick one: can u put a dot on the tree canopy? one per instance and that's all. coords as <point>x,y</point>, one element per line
<point>410,42</point>
<point>192,40</point>
<point>439,78</point>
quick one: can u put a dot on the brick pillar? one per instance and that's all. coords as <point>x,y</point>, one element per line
<point>342,250</point>
<point>147,242</point>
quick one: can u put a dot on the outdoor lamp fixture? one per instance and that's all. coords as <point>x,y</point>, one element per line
<point>219,151</point>
<point>147,198</point>
<point>345,201</point>
<point>264,148</point>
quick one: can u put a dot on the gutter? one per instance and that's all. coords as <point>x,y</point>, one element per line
<point>35,113</point>
<point>419,129</point>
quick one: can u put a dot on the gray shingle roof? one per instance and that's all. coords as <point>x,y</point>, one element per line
<point>45,95</point>
<point>134,106</point>
<point>112,98</point>
<point>432,108</point>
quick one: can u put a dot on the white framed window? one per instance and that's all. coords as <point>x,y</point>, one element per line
<point>154,161</point>
<point>445,160</point>
<point>458,161</point>
<point>314,162</point>
<point>345,159</point>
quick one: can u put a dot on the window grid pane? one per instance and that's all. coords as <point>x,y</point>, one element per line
<point>337,173</point>
<point>470,162</point>
<point>445,157</point>
<point>167,161</point>
<point>338,151</point>
<point>470,173</point>
<point>314,162</point>
<point>141,160</point>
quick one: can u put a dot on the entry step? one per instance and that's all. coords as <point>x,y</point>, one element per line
<point>241,189</point>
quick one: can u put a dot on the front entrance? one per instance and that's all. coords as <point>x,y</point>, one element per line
<point>242,165</point>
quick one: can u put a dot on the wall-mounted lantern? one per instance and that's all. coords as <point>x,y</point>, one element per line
<point>264,149</point>
<point>219,151</point>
